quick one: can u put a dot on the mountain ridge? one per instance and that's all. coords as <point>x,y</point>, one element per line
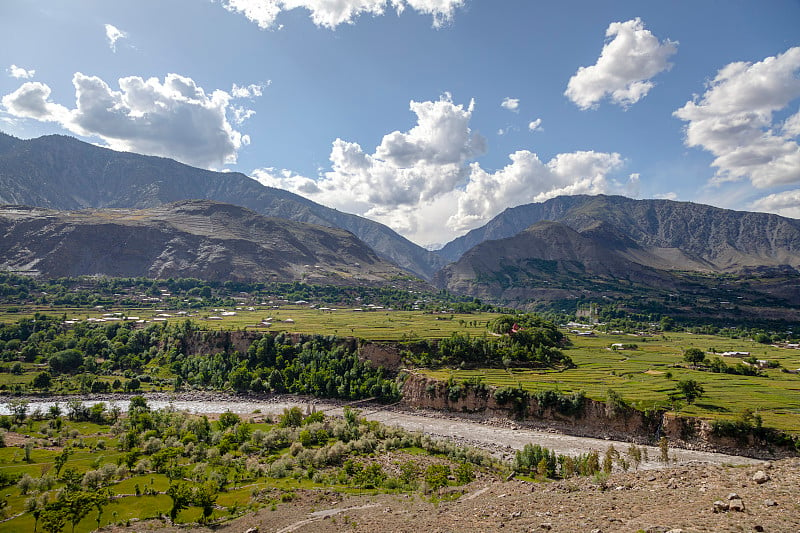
<point>195,238</point>
<point>61,172</point>
<point>684,235</point>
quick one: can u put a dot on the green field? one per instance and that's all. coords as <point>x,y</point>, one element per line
<point>647,375</point>
<point>262,465</point>
<point>377,325</point>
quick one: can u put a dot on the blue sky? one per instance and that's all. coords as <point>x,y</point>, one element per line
<point>434,119</point>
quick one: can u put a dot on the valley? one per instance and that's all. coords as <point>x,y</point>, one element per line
<point>203,351</point>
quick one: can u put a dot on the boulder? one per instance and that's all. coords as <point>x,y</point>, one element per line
<point>720,506</point>
<point>736,505</point>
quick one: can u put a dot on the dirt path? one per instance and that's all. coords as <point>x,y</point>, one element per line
<point>319,515</point>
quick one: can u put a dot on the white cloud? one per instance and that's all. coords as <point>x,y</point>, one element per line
<point>512,104</point>
<point>536,125</point>
<point>20,73</point>
<point>174,119</point>
<point>114,34</point>
<point>734,121</point>
<point>332,13</point>
<point>249,91</point>
<point>631,57</point>
<point>784,203</point>
<point>425,184</point>
<point>528,179</point>
<point>666,196</point>
<point>31,100</point>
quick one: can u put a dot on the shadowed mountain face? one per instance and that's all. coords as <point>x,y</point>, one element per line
<point>670,235</point>
<point>550,265</point>
<point>548,261</point>
<point>59,172</point>
<point>197,239</point>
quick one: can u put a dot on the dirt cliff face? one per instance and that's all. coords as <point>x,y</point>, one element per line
<point>594,418</point>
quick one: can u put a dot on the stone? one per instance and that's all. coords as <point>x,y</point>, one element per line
<point>736,505</point>
<point>720,506</point>
<point>734,496</point>
<point>546,526</point>
<point>251,530</point>
<point>760,477</point>
<point>758,527</point>
<point>770,503</point>
<point>675,530</point>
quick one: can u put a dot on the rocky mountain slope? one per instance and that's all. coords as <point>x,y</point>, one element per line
<point>672,235</point>
<point>677,499</point>
<point>59,172</point>
<point>548,261</point>
<point>198,239</point>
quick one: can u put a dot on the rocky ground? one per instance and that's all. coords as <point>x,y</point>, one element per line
<point>710,498</point>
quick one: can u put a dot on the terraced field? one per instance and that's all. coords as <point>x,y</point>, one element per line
<point>366,323</point>
<point>645,376</point>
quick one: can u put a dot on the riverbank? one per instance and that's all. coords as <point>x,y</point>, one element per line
<point>499,435</point>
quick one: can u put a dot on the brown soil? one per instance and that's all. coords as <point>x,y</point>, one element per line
<point>680,498</point>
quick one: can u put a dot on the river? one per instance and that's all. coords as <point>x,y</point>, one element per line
<point>501,439</point>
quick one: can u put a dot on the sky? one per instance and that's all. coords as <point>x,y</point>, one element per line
<point>430,116</point>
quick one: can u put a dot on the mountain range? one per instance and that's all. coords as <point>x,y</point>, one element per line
<point>189,239</point>
<point>566,247</point>
<point>60,172</point>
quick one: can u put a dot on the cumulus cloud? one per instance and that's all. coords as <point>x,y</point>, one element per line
<point>175,118</point>
<point>332,13</point>
<point>114,34</point>
<point>528,179</point>
<point>631,56</point>
<point>512,104</point>
<point>408,167</point>
<point>734,121</point>
<point>535,125</point>
<point>426,184</point>
<point>20,73</point>
<point>785,203</point>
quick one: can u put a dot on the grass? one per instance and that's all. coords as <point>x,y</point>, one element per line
<point>646,376</point>
<point>377,325</point>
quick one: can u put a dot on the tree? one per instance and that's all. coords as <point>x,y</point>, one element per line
<point>205,497</point>
<point>694,356</point>
<point>18,409</point>
<point>43,381</point>
<point>240,379</point>
<point>53,518</point>
<point>77,505</point>
<point>181,499</point>
<point>690,390</point>
<point>293,417</point>
<point>61,459</point>
<point>101,499</point>
<point>228,420</point>
<point>436,476</point>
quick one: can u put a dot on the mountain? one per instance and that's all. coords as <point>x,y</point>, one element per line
<point>674,235</point>
<point>60,172</point>
<point>650,256</point>
<point>551,261</point>
<point>197,239</point>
